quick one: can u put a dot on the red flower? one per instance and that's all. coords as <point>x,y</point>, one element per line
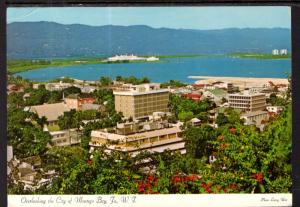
<point>176,179</point>
<point>141,187</point>
<point>192,178</point>
<point>225,190</point>
<point>151,178</point>
<point>259,177</point>
<point>207,187</point>
<point>231,130</point>
<point>232,186</point>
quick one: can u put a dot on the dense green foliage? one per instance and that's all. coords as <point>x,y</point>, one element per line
<point>27,138</point>
<point>230,116</point>
<point>105,81</point>
<point>274,100</point>
<point>133,80</point>
<point>185,109</point>
<point>172,84</point>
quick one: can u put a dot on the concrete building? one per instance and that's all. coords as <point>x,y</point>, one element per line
<point>247,101</point>
<point>152,139</point>
<point>139,101</point>
<point>57,86</point>
<point>75,101</point>
<point>65,137</point>
<point>255,118</point>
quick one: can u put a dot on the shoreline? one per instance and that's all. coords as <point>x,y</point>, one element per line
<point>242,82</point>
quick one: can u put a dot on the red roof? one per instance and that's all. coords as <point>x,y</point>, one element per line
<point>191,95</point>
<point>198,85</point>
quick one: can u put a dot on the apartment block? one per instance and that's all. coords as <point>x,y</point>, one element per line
<point>247,101</point>
<point>134,138</point>
<point>65,137</point>
<point>139,101</point>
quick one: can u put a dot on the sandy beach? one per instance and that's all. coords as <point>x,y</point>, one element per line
<point>242,82</point>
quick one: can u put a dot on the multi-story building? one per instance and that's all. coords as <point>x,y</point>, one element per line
<point>247,101</point>
<point>139,101</point>
<point>134,138</point>
<point>75,101</point>
<point>65,137</point>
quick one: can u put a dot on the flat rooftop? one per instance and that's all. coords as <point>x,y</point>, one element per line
<point>136,136</point>
<point>254,113</point>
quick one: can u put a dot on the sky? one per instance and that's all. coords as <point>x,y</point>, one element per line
<point>157,17</point>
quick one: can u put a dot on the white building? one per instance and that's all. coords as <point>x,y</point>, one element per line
<point>57,86</point>
<point>275,52</point>
<point>65,137</point>
<point>280,52</point>
<point>134,138</point>
<point>283,52</point>
<point>247,101</point>
<point>255,118</point>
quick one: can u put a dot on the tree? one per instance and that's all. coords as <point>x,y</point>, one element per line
<point>105,81</point>
<point>26,139</point>
<point>68,120</point>
<point>119,78</point>
<point>233,116</point>
<point>145,80</point>
<point>203,116</point>
<point>185,116</point>
<point>71,90</point>
<point>55,96</point>
<point>38,96</point>
<point>198,139</point>
<point>222,119</point>
<point>15,100</point>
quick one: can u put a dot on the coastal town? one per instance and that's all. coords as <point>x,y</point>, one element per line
<point>66,122</point>
<point>149,105</point>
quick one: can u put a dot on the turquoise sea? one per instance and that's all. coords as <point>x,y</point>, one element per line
<point>171,69</point>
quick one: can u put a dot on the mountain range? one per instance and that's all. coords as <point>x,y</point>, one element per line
<point>52,40</point>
